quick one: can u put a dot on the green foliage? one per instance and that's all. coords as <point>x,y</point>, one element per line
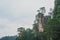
<point>52,28</point>
<point>29,34</point>
<point>25,34</point>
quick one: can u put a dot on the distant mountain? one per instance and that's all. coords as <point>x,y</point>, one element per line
<point>9,38</point>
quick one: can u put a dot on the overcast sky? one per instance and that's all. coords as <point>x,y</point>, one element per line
<point>19,13</point>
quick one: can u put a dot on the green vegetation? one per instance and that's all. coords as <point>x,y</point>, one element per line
<point>52,27</point>
<point>29,34</point>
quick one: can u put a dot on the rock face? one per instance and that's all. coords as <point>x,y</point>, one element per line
<point>40,22</point>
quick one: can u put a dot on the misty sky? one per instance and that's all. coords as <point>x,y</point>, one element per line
<point>19,13</point>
